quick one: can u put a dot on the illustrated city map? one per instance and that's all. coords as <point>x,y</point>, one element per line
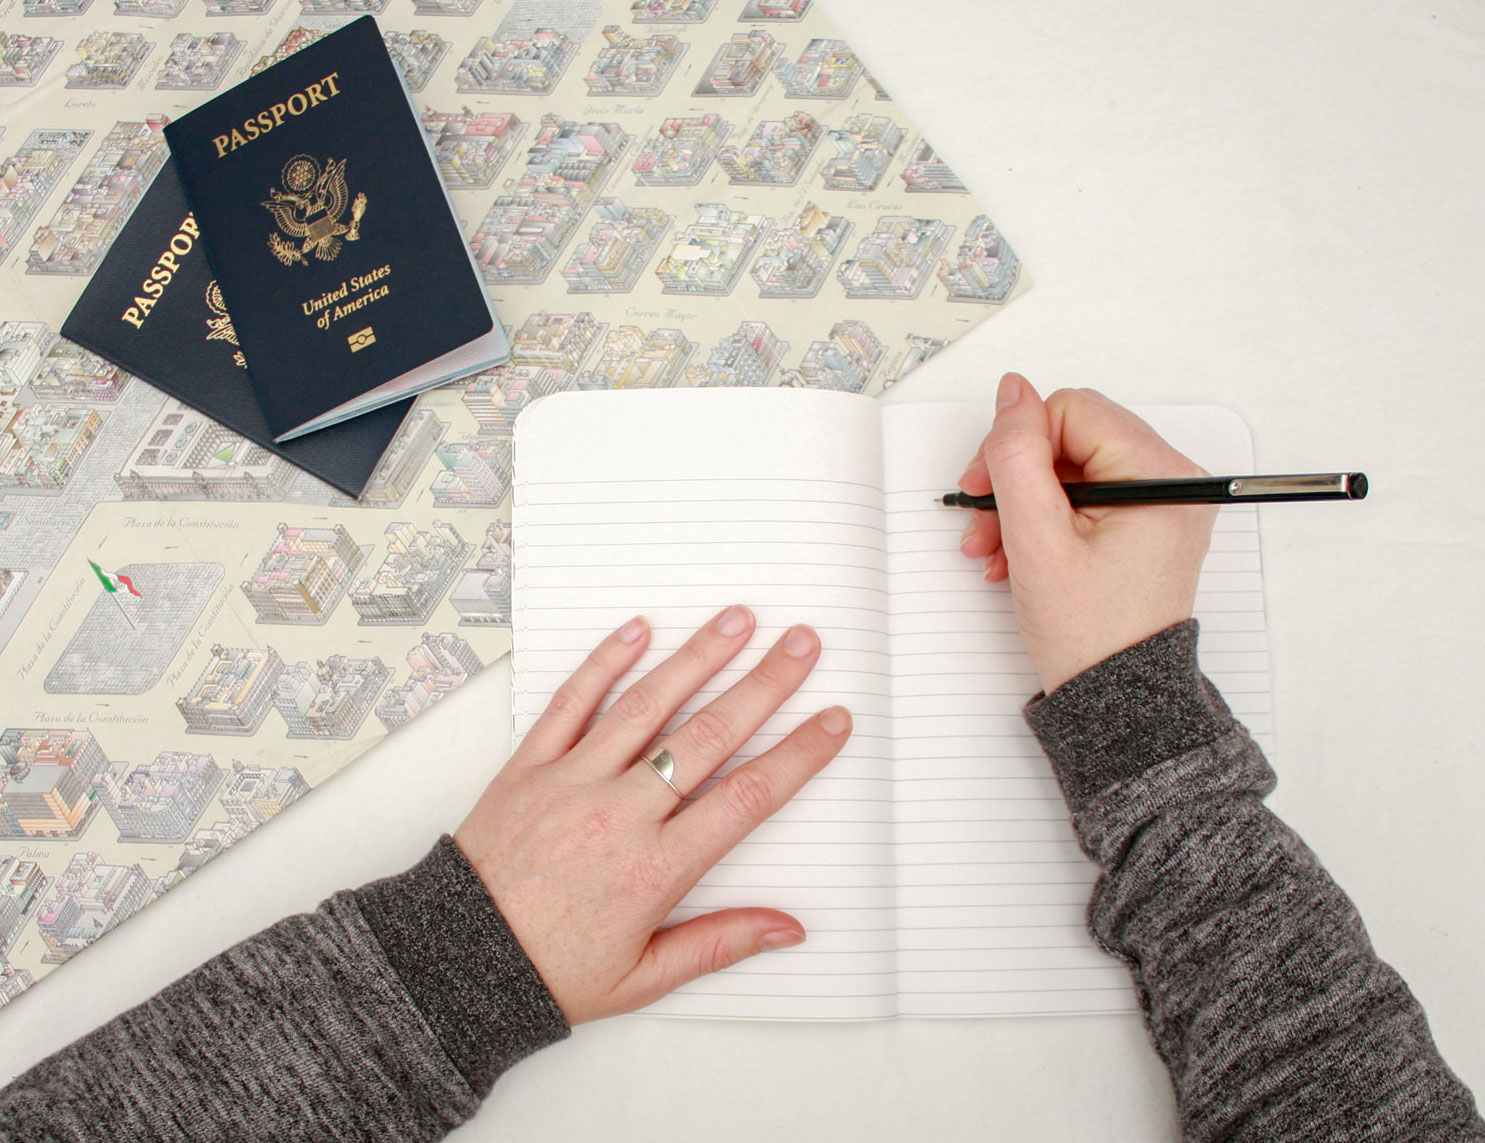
<point>193,633</point>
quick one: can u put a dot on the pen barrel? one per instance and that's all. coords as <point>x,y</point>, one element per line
<point>1222,489</point>
<point>1200,490</point>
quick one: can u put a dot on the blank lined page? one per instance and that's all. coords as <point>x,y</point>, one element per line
<point>674,504</point>
<point>992,887</point>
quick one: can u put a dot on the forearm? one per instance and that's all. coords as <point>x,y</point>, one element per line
<point>1264,996</point>
<point>385,1014</point>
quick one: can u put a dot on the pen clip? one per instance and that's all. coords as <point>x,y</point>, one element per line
<point>1339,483</point>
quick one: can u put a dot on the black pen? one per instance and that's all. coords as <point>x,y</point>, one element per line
<point>1201,490</point>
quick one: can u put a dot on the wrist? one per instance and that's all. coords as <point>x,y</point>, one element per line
<point>1132,710</point>
<point>1095,643</point>
<point>458,959</point>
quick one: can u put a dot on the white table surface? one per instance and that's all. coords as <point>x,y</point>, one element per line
<point>1269,206</point>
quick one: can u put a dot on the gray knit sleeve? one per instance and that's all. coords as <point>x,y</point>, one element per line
<point>386,1014</point>
<point>1265,999</point>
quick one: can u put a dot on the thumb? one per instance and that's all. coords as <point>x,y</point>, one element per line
<point>703,945</point>
<point>1018,453</point>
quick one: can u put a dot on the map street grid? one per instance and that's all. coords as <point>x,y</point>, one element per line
<point>647,186</point>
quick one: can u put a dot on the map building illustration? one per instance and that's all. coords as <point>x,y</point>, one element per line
<point>418,569</point>
<point>826,69</point>
<point>710,254</point>
<point>747,357</point>
<point>108,59</point>
<point>472,147</point>
<point>776,154</point>
<point>95,209</point>
<point>303,575</point>
<point>159,800</point>
<point>438,664</point>
<point>234,693</point>
<point>671,11</point>
<point>29,176</point>
<point>796,258</point>
<point>23,58</point>
<point>46,784</point>
<point>864,147</point>
<point>475,472</point>
<point>680,152</point>
<point>482,595</point>
<point>984,269</point>
<point>331,698</point>
<point>740,65</point>
<point>634,65</point>
<point>896,260</point>
<point>845,361</point>
<point>617,249</point>
<point>567,166</point>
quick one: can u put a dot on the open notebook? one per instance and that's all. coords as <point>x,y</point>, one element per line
<point>932,862</point>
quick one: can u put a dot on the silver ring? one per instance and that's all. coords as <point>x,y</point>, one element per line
<point>663,766</point>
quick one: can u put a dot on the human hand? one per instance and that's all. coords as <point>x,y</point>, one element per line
<point>1086,582</point>
<point>585,852</point>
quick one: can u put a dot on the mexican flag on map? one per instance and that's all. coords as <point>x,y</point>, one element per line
<point>114,582</point>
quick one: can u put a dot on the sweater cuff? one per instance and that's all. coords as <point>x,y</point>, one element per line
<point>1121,717</point>
<point>464,969</point>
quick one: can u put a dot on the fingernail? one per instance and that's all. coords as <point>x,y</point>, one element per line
<point>733,621</point>
<point>968,468</point>
<point>1009,392</point>
<point>780,939</point>
<point>632,630</point>
<point>799,642</point>
<point>835,720</point>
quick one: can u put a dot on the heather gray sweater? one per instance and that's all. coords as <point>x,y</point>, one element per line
<point>389,1012</point>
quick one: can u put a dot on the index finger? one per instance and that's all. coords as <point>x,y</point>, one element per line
<point>566,716</point>
<point>1108,442</point>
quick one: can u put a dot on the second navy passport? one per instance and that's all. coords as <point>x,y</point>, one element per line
<point>154,308</point>
<point>328,228</point>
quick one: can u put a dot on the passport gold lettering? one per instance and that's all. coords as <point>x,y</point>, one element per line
<point>364,300</point>
<point>152,288</point>
<point>273,116</point>
<point>328,307</point>
<point>314,305</point>
<point>363,280</point>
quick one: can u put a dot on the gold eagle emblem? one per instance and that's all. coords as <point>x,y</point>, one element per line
<point>309,209</point>
<point>219,328</point>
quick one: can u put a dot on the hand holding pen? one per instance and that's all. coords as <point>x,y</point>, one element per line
<point>1089,581</point>
<point>1196,490</point>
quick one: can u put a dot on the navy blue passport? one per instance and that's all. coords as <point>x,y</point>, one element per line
<point>153,308</point>
<point>333,238</point>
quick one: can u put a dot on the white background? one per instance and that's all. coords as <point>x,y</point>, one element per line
<point>1274,207</point>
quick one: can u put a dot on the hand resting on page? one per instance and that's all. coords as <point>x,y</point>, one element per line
<point>585,852</point>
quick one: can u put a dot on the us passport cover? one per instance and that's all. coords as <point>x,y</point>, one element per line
<point>153,308</point>
<point>330,232</point>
